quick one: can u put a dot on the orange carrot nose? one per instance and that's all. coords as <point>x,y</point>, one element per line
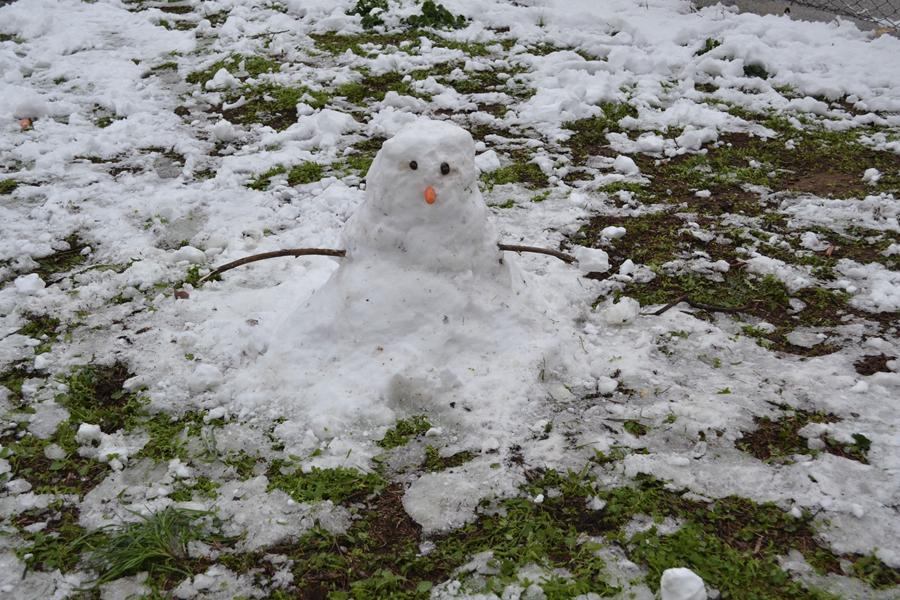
<point>430,195</point>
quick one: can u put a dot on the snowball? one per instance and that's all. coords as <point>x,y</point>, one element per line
<point>612,232</point>
<point>811,241</point>
<point>622,312</point>
<point>703,193</point>
<point>41,362</point>
<point>591,260</point>
<point>29,285</point>
<point>627,267</point>
<point>871,176</point>
<point>595,503</point>
<point>224,131</point>
<point>30,106</point>
<point>54,452</point>
<point>88,433</point>
<point>222,80</point>
<point>606,385</point>
<point>487,162</point>
<point>625,165</point>
<point>681,584</point>
<point>190,254</point>
<point>205,377</point>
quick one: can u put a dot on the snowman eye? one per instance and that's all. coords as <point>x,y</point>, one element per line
<point>413,165</point>
<point>445,168</point>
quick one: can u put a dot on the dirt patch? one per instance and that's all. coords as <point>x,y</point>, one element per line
<point>873,363</point>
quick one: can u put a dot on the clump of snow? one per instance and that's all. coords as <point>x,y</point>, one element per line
<point>222,80</point>
<point>612,232</point>
<point>622,312</point>
<point>189,254</point>
<point>625,165</point>
<point>29,285</point>
<point>591,259</point>
<point>681,584</point>
<point>205,377</point>
<point>487,162</point>
<point>871,176</point>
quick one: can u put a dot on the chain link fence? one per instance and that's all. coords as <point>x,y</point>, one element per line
<point>885,13</point>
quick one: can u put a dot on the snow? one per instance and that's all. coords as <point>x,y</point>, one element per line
<point>681,584</point>
<point>319,356</point>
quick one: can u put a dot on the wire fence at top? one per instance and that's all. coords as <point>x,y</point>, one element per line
<point>882,12</point>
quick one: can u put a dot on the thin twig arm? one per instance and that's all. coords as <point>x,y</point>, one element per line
<point>568,258</point>
<point>295,252</point>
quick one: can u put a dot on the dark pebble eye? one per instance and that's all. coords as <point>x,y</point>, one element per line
<point>445,168</point>
<point>413,165</point>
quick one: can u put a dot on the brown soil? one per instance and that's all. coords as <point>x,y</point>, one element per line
<point>873,363</point>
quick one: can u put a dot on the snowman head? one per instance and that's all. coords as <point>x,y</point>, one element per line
<point>427,169</point>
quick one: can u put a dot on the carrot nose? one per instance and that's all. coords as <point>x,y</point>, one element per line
<point>430,195</point>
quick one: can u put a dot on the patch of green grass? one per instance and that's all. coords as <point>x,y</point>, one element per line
<point>261,182</point>
<point>479,82</point>
<point>335,43</point>
<point>765,298</point>
<point>634,428</point>
<point>365,8</point>
<point>243,463</point>
<point>7,186</point>
<point>756,70</point>
<point>95,394</point>
<point>156,544</point>
<point>169,436</point>
<point>60,544</point>
<point>382,557</point>
<point>271,104</point>
<point>63,260</point>
<point>436,16</point>
<point>43,328</point>
<point>875,573</point>
<point>306,172</point>
<point>589,136</point>
<point>736,574</point>
<point>403,431</point>
<point>254,66</point>
<point>70,474</point>
<point>709,44</point>
<point>375,87</point>
<point>435,462</point>
<point>775,439</point>
<point>526,173</point>
<point>338,485</point>
<point>13,378</point>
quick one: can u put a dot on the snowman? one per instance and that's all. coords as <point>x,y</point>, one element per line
<point>420,249</point>
<point>423,314</point>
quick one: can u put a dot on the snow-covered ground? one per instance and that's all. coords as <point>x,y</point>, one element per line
<point>144,143</point>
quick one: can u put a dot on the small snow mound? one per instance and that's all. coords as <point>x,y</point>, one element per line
<point>612,232</point>
<point>29,285</point>
<point>625,165</point>
<point>190,254</point>
<point>681,584</point>
<point>622,312</point>
<point>222,80</point>
<point>871,176</point>
<point>224,131</point>
<point>487,162</point>
<point>205,377</point>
